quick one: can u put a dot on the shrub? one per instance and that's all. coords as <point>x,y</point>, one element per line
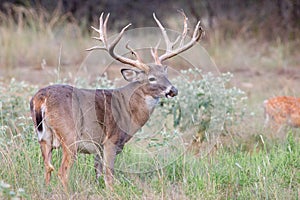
<point>205,101</point>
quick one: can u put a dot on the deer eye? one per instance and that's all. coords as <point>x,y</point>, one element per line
<point>152,79</point>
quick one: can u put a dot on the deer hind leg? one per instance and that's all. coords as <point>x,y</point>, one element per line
<point>46,149</point>
<point>45,137</point>
<point>69,155</point>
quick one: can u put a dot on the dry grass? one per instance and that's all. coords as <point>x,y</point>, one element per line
<point>35,39</point>
<point>30,36</point>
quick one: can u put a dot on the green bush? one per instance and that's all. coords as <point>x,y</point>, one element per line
<point>205,101</point>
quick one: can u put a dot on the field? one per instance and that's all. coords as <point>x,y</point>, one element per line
<point>241,159</point>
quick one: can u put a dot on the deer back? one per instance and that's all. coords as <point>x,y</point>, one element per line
<point>283,110</point>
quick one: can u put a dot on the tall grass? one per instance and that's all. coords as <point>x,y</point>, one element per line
<point>29,36</point>
<point>267,171</point>
<point>252,53</point>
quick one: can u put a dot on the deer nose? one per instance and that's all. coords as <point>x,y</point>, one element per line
<point>172,93</point>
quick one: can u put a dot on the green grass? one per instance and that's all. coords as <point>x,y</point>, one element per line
<point>231,173</point>
<point>263,169</point>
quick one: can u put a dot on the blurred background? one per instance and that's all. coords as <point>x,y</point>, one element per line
<point>268,18</point>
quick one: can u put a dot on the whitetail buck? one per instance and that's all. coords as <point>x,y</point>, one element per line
<point>101,121</point>
<point>283,110</point>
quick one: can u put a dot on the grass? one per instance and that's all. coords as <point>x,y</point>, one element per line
<point>267,173</point>
<point>248,164</point>
<point>247,168</point>
<point>29,36</point>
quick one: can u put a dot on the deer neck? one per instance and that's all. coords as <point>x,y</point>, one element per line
<point>139,96</point>
<point>138,101</point>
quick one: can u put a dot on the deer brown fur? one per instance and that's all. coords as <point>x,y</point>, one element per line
<point>282,110</point>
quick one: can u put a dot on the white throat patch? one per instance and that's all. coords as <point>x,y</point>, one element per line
<point>151,102</point>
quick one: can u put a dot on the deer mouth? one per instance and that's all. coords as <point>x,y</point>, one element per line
<point>172,93</point>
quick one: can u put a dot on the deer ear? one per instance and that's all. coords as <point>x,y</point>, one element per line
<point>131,75</point>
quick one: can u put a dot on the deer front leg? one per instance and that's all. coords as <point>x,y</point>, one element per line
<point>110,151</point>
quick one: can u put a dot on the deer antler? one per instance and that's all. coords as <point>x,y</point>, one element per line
<point>110,47</point>
<point>170,51</point>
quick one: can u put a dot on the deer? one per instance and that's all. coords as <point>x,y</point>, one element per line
<point>101,121</point>
<point>282,110</point>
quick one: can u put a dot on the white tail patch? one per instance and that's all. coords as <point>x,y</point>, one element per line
<point>47,133</point>
<point>42,133</point>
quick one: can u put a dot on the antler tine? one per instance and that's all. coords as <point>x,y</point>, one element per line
<point>185,27</point>
<point>154,54</point>
<point>135,63</point>
<point>170,52</point>
<point>134,52</point>
<point>164,33</point>
<point>102,37</point>
<point>198,32</point>
<point>110,47</point>
<point>103,28</point>
<point>169,45</point>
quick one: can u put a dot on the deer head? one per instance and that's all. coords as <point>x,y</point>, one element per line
<point>154,75</point>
